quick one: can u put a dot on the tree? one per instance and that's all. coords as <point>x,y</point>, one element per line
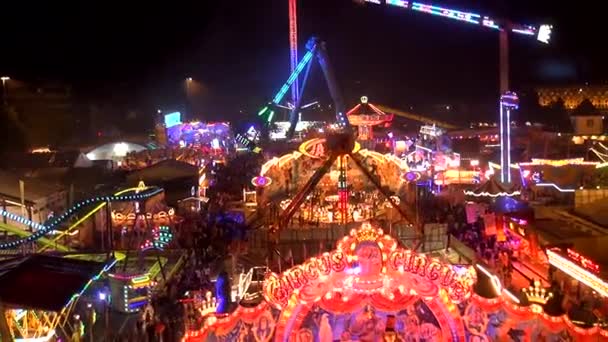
<point>585,108</point>
<point>559,117</point>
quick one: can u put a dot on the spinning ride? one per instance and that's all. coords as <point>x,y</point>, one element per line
<point>280,177</point>
<point>339,145</point>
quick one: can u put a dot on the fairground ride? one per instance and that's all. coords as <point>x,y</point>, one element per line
<point>338,144</point>
<point>89,207</point>
<point>508,100</point>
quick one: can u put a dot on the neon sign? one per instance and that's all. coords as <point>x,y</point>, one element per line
<point>261,181</point>
<point>583,261</point>
<point>575,271</point>
<point>315,148</point>
<point>361,264</point>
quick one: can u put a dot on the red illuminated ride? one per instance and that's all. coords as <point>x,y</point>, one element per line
<point>365,116</point>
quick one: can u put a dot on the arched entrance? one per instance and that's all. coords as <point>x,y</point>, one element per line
<point>350,293</point>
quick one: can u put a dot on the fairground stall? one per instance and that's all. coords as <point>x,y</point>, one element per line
<point>370,288</point>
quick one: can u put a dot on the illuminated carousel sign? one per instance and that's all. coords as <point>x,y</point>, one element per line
<point>368,262</point>
<point>315,148</point>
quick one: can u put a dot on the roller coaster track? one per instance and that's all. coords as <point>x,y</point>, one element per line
<point>54,223</point>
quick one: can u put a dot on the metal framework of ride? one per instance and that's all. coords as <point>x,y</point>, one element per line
<point>339,145</point>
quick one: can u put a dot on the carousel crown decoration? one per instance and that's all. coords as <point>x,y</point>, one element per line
<point>208,305</point>
<point>367,233</point>
<point>537,294</point>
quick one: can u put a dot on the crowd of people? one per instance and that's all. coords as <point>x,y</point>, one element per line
<point>498,255</point>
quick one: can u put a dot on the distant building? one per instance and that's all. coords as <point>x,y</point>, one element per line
<point>588,124</point>
<point>179,179</point>
<point>40,199</point>
<point>573,96</point>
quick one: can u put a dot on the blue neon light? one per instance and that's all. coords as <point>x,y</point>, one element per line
<point>544,31</point>
<point>398,3</point>
<point>279,97</point>
<point>487,22</point>
<point>43,229</point>
<point>448,13</point>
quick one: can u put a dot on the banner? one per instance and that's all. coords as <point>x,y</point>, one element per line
<point>473,211</point>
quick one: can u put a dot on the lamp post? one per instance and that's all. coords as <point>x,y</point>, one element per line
<point>4,90</point>
<point>189,81</point>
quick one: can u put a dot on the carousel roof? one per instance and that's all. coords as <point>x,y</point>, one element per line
<point>368,110</point>
<point>493,188</point>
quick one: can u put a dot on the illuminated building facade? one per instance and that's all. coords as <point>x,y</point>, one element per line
<point>574,96</point>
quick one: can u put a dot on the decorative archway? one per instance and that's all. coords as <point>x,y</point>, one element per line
<point>351,292</point>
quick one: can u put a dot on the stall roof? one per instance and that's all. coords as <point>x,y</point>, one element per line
<point>163,171</point>
<point>34,189</point>
<point>44,282</point>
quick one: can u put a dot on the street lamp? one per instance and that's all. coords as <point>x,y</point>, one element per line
<point>188,104</point>
<point>4,79</point>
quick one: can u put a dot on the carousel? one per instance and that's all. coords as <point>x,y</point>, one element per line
<point>370,288</point>
<point>342,195</point>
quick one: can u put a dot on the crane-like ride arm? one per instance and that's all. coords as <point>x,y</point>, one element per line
<point>317,48</point>
<point>416,117</point>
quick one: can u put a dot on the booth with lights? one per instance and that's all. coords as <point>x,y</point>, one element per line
<point>370,285</point>
<point>130,293</point>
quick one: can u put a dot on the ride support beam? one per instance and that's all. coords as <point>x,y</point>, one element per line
<point>308,187</point>
<point>383,191</point>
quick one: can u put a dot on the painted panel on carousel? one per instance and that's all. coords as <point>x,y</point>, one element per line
<point>498,320</point>
<point>415,323</point>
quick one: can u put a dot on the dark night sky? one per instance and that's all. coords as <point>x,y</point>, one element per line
<point>140,52</point>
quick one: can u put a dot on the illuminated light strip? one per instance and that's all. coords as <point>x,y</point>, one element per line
<point>46,338</point>
<point>376,109</point>
<point>493,279</point>
<point>492,165</point>
<point>600,155</point>
<point>448,13</point>
<point>558,162</point>
<point>578,273</point>
<point>279,96</point>
<point>487,22</point>
<point>511,296</point>
<point>86,286</point>
<point>398,3</point>
<point>354,109</point>
<point>45,229</point>
<point>502,145</point>
<point>487,194</point>
<point>529,32</point>
<point>508,144</point>
<point>423,148</point>
<point>141,279</point>
<point>555,186</point>
<point>377,2</point>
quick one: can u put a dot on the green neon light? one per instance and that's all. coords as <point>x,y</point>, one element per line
<point>263,111</point>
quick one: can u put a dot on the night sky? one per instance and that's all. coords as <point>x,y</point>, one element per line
<point>139,54</point>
